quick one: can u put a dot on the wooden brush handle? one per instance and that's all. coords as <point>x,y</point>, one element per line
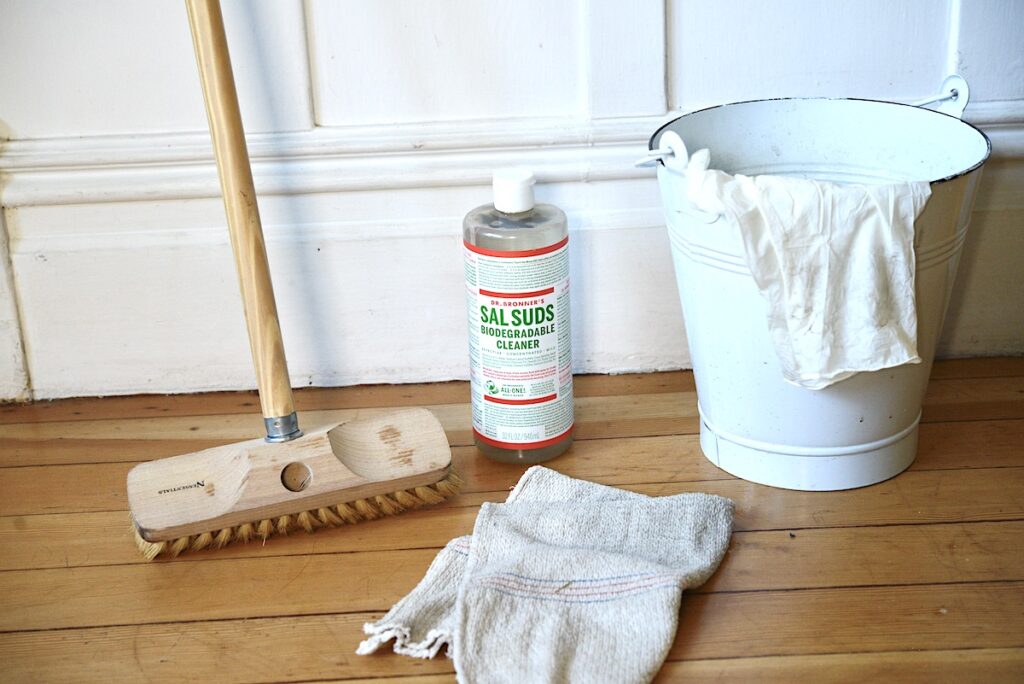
<point>225,119</point>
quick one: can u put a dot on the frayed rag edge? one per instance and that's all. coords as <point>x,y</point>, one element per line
<point>379,634</point>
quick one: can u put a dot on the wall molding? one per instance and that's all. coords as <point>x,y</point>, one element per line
<point>180,166</point>
<point>444,154</point>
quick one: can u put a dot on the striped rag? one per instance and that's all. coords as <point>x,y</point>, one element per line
<point>566,581</point>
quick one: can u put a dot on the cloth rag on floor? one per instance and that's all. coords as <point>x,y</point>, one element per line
<point>835,263</point>
<point>566,581</point>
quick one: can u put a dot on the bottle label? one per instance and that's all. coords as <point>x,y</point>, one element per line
<point>519,345</point>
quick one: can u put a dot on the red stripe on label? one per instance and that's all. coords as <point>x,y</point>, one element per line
<point>524,445</point>
<point>520,253</point>
<point>517,295</point>
<point>520,402</point>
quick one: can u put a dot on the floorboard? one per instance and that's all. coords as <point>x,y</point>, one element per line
<point>712,626</point>
<point>917,579</point>
<point>906,667</point>
<point>309,583</point>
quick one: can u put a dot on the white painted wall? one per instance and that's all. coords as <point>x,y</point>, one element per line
<point>734,51</point>
<point>403,60</point>
<point>374,125</point>
<point>117,66</point>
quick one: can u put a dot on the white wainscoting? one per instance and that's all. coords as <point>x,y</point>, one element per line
<point>374,126</point>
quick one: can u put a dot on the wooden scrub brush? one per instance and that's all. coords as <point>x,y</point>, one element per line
<point>375,463</point>
<point>378,463</point>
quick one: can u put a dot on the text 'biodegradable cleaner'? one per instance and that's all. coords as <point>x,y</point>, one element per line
<point>517,293</point>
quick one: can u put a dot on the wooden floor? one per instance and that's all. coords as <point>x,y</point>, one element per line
<point>920,578</point>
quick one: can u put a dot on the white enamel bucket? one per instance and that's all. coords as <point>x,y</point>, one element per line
<point>753,424</point>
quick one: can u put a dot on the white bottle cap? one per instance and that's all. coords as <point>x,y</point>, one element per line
<point>513,190</point>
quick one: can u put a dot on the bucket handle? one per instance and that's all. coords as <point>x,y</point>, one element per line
<point>952,99</point>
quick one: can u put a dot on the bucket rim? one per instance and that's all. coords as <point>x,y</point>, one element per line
<point>978,165</point>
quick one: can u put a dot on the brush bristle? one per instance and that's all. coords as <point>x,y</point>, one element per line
<point>341,514</point>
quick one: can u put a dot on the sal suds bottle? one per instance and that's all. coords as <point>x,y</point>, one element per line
<point>517,292</point>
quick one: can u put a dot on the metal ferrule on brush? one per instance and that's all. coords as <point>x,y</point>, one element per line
<point>282,428</point>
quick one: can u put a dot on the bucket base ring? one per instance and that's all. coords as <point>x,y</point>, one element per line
<point>826,472</point>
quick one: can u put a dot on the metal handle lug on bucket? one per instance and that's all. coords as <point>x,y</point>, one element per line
<point>672,153</point>
<point>952,98</point>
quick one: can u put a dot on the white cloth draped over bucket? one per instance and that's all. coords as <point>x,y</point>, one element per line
<point>835,263</point>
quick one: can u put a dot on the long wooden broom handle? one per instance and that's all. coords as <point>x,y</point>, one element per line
<point>236,182</point>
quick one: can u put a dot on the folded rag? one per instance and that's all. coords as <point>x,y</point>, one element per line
<point>566,581</point>
<point>834,261</point>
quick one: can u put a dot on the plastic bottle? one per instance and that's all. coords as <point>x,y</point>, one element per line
<point>517,291</point>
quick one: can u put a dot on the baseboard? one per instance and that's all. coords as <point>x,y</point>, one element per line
<point>103,318</point>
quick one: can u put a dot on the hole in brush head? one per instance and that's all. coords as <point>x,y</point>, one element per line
<point>296,477</point>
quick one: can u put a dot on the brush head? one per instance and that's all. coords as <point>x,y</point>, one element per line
<point>373,463</point>
<point>344,513</point>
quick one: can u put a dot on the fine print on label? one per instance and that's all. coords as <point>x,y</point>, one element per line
<point>519,346</point>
